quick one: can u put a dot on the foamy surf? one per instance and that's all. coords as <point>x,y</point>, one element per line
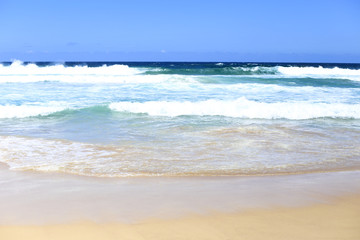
<point>19,68</point>
<point>179,119</point>
<point>23,111</point>
<point>27,73</point>
<point>242,108</point>
<point>239,108</point>
<point>246,150</point>
<point>320,72</point>
<point>18,71</point>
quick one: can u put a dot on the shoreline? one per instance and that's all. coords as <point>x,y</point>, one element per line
<point>45,198</point>
<point>5,166</point>
<point>337,219</point>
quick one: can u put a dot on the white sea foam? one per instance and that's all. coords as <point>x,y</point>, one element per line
<point>214,151</point>
<point>46,155</point>
<point>19,72</point>
<point>242,108</point>
<point>96,78</point>
<point>320,72</point>
<point>22,111</point>
<point>18,68</point>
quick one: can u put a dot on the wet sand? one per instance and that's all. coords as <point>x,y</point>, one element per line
<point>339,219</point>
<point>57,206</point>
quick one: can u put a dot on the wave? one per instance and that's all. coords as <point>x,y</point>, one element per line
<point>320,72</point>
<point>20,68</point>
<point>52,155</point>
<point>20,72</point>
<point>23,111</point>
<point>216,70</point>
<point>239,108</point>
<point>54,109</point>
<point>17,71</point>
<point>263,71</point>
<point>242,108</point>
<point>245,150</point>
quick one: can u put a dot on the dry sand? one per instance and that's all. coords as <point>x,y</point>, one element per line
<point>339,219</point>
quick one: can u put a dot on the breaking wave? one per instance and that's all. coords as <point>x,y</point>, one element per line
<point>23,111</point>
<point>320,72</point>
<point>17,71</point>
<point>239,108</point>
<point>215,70</point>
<point>20,72</point>
<point>242,108</point>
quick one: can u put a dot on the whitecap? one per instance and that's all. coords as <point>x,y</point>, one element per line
<point>242,108</point>
<point>320,72</point>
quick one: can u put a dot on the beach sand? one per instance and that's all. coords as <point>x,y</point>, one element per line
<point>36,206</point>
<point>338,219</point>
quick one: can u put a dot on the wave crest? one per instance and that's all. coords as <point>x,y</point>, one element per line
<point>320,72</point>
<point>242,108</point>
<point>215,70</point>
<point>20,72</point>
<point>23,111</point>
<point>17,71</point>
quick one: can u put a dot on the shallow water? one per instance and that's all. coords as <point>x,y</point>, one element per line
<point>179,119</point>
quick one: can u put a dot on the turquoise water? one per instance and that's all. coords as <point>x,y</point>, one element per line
<point>179,119</point>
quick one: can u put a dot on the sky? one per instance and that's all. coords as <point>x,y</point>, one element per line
<point>182,30</point>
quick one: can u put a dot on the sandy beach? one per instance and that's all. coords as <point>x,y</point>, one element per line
<point>179,120</point>
<point>57,206</point>
<point>339,219</point>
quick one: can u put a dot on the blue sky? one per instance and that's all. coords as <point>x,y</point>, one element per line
<point>157,30</point>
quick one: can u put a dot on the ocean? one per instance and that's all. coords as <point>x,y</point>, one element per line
<point>131,119</point>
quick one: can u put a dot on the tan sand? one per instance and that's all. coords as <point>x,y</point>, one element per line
<point>339,219</point>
